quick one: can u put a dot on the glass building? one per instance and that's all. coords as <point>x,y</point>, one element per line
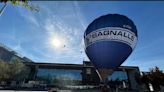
<point>125,77</point>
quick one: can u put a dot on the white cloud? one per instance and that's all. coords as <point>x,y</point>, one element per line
<point>29,16</point>
<point>80,15</point>
<point>33,20</point>
<point>67,23</point>
<point>55,25</point>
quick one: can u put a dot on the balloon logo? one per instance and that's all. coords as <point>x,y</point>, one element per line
<point>109,40</point>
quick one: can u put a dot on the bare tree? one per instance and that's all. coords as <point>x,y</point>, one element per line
<point>155,76</point>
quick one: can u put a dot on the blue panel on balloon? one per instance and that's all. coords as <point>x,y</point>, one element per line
<point>109,40</point>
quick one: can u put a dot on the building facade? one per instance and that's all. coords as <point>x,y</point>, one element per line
<point>7,55</point>
<point>56,74</point>
<point>125,77</point>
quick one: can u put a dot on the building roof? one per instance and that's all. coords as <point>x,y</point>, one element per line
<point>70,66</point>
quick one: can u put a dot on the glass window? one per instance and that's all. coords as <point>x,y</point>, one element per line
<point>59,76</point>
<point>118,79</point>
<point>118,75</point>
<point>88,71</point>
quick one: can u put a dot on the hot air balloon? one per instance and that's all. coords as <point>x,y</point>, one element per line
<point>109,40</point>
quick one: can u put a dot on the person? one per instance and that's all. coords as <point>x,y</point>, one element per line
<point>104,88</point>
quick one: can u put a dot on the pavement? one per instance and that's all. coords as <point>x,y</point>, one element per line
<point>62,91</point>
<point>57,91</point>
<point>20,91</point>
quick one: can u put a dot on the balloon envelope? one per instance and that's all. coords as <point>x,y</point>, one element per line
<point>109,40</point>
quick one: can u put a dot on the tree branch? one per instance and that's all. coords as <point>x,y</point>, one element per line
<point>3,8</point>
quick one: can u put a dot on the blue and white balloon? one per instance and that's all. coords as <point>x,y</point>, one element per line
<point>109,40</point>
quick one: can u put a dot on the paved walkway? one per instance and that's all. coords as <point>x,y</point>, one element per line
<point>63,91</point>
<point>47,91</point>
<point>20,91</point>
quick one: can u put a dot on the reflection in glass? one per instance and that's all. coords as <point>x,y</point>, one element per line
<point>118,79</point>
<point>59,76</point>
<point>118,75</point>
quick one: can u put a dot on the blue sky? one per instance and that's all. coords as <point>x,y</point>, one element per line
<point>32,34</point>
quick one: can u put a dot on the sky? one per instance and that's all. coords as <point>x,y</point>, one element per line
<point>55,33</point>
